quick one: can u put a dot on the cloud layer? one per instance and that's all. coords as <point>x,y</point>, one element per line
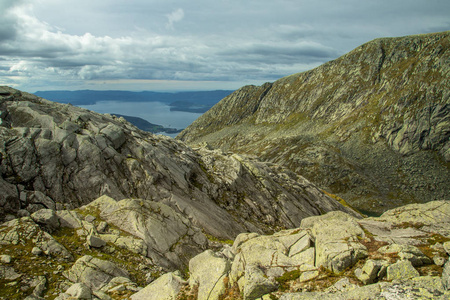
<point>50,44</point>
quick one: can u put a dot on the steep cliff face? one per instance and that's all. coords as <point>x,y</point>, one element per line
<point>57,156</point>
<point>372,126</point>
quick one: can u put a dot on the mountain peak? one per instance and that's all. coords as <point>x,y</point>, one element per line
<point>361,126</point>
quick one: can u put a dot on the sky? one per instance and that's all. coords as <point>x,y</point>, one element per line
<point>180,45</point>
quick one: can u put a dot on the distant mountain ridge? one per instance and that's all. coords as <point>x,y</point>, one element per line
<point>372,126</point>
<point>147,126</point>
<point>199,101</point>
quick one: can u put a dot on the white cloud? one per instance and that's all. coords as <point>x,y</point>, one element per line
<point>174,17</point>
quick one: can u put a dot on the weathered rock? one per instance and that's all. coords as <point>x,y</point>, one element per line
<point>272,253</point>
<point>40,287</point>
<point>439,261</point>
<point>68,218</point>
<point>93,272</point>
<point>407,252</point>
<point>165,287</point>
<point>46,218</point>
<point>169,238</point>
<point>36,251</point>
<point>403,269</point>
<point>446,246</point>
<point>256,283</point>
<point>6,259</point>
<point>424,287</point>
<point>127,242</point>
<point>120,284</point>
<point>95,241</point>
<point>342,285</point>
<point>79,291</point>
<point>8,273</point>
<point>446,275</point>
<point>308,275</point>
<point>427,217</point>
<point>336,240</point>
<point>76,291</point>
<point>208,272</point>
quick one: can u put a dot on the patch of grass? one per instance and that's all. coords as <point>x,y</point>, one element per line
<point>216,239</point>
<point>437,238</point>
<point>341,201</point>
<point>231,292</point>
<point>188,293</point>
<point>403,225</point>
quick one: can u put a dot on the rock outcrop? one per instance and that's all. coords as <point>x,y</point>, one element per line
<point>331,256</point>
<point>57,156</point>
<point>371,126</point>
<point>351,262</point>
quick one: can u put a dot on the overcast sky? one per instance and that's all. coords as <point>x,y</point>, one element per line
<point>191,45</point>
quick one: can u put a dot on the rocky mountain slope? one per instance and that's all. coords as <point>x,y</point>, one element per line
<point>372,126</point>
<point>59,156</point>
<point>173,202</point>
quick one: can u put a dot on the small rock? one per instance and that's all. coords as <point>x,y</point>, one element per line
<point>447,247</point>
<point>89,218</point>
<point>437,246</point>
<point>46,218</point>
<point>79,291</point>
<point>101,228</point>
<point>308,275</point>
<point>6,259</point>
<point>36,251</point>
<point>369,272</point>
<point>165,287</point>
<point>342,285</point>
<point>40,287</point>
<point>8,273</point>
<point>439,261</point>
<point>94,241</point>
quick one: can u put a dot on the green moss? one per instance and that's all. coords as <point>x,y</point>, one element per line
<point>216,239</point>
<point>437,238</point>
<point>287,277</point>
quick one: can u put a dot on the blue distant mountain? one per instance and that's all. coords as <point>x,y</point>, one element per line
<point>197,101</point>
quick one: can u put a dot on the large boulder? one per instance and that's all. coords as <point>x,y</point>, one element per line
<point>208,272</point>
<point>403,269</point>
<point>446,275</point>
<point>94,272</point>
<point>275,254</point>
<point>165,287</point>
<point>169,238</point>
<point>336,236</point>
